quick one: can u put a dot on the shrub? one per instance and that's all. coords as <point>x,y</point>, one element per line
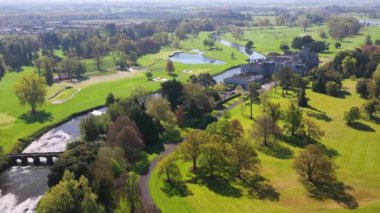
<point>332,88</point>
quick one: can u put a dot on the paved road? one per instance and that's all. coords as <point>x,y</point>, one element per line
<point>144,179</point>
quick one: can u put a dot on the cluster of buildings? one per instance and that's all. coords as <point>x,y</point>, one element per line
<point>257,70</point>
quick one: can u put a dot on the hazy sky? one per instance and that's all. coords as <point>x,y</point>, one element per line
<point>191,1</point>
<point>234,2</point>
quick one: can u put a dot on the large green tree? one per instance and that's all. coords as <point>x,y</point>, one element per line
<point>70,196</point>
<point>254,96</point>
<point>191,147</point>
<point>314,166</point>
<point>293,119</point>
<point>173,91</point>
<point>31,90</point>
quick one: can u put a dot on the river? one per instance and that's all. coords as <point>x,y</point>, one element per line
<point>22,187</point>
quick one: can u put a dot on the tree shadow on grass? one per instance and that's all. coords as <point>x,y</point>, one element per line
<point>361,127</point>
<point>39,117</point>
<point>176,189</point>
<point>302,141</point>
<point>219,184</point>
<point>276,150</point>
<point>336,191</point>
<point>318,114</point>
<point>259,188</point>
<point>342,94</point>
<point>375,120</point>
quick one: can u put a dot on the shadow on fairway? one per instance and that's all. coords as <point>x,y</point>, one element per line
<point>277,150</point>
<point>176,189</point>
<point>39,117</point>
<point>361,127</point>
<point>336,191</point>
<point>318,114</point>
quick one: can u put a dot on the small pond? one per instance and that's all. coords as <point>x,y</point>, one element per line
<point>197,58</point>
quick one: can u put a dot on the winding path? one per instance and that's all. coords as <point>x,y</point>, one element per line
<point>144,179</point>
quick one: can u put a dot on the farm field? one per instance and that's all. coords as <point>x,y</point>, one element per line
<point>357,158</point>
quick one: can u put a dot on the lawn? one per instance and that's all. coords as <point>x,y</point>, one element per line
<point>15,122</point>
<point>269,40</point>
<point>358,162</point>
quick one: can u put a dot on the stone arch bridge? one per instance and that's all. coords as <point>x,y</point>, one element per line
<point>36,157</point>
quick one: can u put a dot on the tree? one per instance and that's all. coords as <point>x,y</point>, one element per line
<point>159,108</point>
<point>249,45</point>
<point>311,130</point>
<point>236,32</point>
<point>149,75</point>
<point>254,96</point>
<point>341,27</point>
<point>99,49</point>
<point>368,40</point>
<point>173,91</point>
<point>180,115</point>
<point>332,88</point>
<point>242,158</point>
<point>105,174</point>
<point>279,21</point>
<point>303,22</point>
<point>373,89</point>
<point>196,101</point>
<point>314,165</point>
<point>110,99</point>
<point>225,130</point>
<point>145,123</point>
<point>285,78</point>
<point>274,111</point>
<point>122,61</point>
<point>170,170</point>
<point>31,90</point>
<point>300,42</point>
<point>264,128</point>
<point>125,134</point>
<point>338,45</point>
<point>3,67</point>
<point>210,43</point>
<point>284,48</point>
<point>302,99</point>
<point>371,106</point>
<point>91,128</point>
<point>352,115</point>
<point>170,67</point>
<point>191,147</point>
<point>133,193</point>
<point>47,65</point>
<point>323,35</point>
<point>70,196</point>
<point>264,99</point>
<point>78,159</point>
<point>292,119</point>
<point>204,79</point>
<point>349,66</point>
<point>362,87</point>
<point>212,158</point>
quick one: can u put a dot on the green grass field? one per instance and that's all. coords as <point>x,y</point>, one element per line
<point>269,40</point>
<point>15,123</point>
<point>358,165</point>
